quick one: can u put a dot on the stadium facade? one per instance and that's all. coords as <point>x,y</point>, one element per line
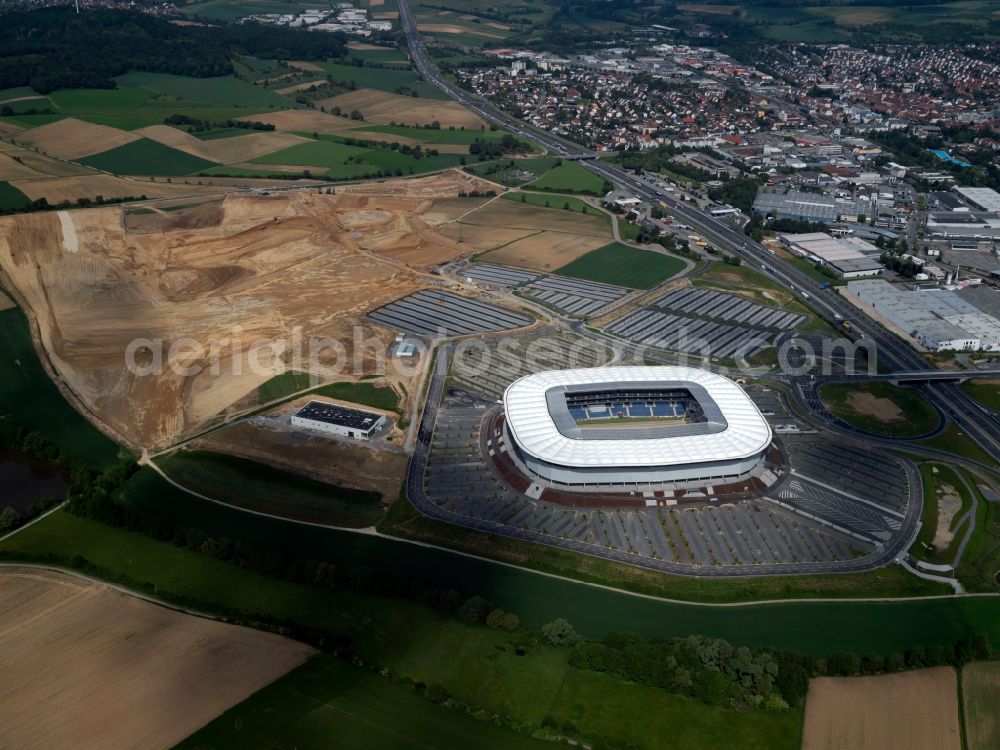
<point>606,427</point>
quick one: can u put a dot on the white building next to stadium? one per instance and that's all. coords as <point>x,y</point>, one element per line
<point>630,426</point>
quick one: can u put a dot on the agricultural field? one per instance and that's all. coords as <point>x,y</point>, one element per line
<point>11,198</point>
<point>238,145</point>
<point>341,161</point>
<point>387,79</point>
<point>819,23</point>
<point>880,408</point>
<point>623,265</point>
<point>327,697</point>
<point>909,711</point>
<point>386,108</point>
<point>220,91</point>
<point>241,265</point>
<point>570,177</point>
<point>262,488</point>
<point>133,674</point>
<point>145,156</point>
<point>73,139</point>
<point>980,702</point>
<point>543,251</point>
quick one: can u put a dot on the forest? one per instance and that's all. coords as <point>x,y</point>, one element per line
<point>54,48</point>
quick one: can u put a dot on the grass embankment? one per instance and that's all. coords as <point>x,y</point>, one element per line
<point>565,202</point>
<point>256,486</point>
<point>294,381</point>
<point>623,265</point>
<point>403,521</point>
<point>939,479</point>
<point>880,408</point>
<point>986,392</point>
<point>569,177</point>
<point>327,698</point>
<point>861,627</point>
<point>954,441</point>
<point>33,401</point>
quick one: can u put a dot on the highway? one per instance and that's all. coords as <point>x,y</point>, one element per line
<point>980,425</point>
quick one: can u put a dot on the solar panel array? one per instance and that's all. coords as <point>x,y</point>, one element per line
<point>436,313</point>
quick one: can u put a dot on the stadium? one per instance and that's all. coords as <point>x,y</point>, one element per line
<point>600,428</point>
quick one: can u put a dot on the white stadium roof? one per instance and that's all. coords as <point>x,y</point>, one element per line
<point>530,422</point>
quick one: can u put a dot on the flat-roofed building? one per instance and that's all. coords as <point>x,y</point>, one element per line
<point>338,420</point>
<point>984,199</point>
<point>848,257</point>
<point>939,320</point>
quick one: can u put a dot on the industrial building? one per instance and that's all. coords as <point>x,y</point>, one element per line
<point>848,257</point>
<point>338,420</point>
<point>804,206</point>
<point>982,199</point>
<point>963,224</point>
<point>600,428</point>
<point>939,320</point>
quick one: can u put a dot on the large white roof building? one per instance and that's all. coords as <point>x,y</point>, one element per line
<point>628,426</point>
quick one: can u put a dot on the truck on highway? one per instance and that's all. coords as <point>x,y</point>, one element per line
<point>825,285</point>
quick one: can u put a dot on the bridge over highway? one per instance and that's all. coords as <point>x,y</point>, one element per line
<point>920,376</point>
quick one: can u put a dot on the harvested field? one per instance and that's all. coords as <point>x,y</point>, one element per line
<point>306,66</point>
<point>297,87</point>
<point>483,239</point>
<point>269,264</point>
<point>516,215</point>
<point>240,148</point>
<point>981,696</point>
<point>73,139</point>
<point>306,121</point>
<point>108,670</point>
<point>58,189</point>
<point>544,251</point>
<point>384,107</point>
<point>906,711</point>
<point>450,28</point>
<point>335,462</point>
<point>386,15</point>
<point>46,166</point>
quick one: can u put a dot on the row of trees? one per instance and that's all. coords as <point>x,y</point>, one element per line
<point>197,125</point>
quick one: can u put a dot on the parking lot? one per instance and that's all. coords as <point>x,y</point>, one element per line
<point>436,313</point>
<point>580,298</point>
<point>573,296</point>
<point>707,323</point>
<point>806,519</point>
<point>488,368</point>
